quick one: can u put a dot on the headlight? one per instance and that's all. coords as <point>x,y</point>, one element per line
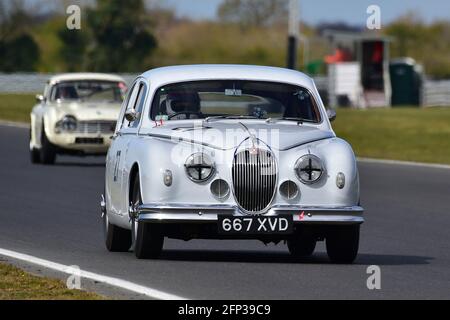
<point>68,123</point>
<point>199,167</point>
<point>309,169</point>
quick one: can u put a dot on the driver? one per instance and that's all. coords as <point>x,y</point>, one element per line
<point>183,105</point>
<point>66,92</point>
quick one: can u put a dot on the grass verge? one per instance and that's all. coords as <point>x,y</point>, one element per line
<point>16,284</point>
<point>16,107</point>
<point>409,134</point>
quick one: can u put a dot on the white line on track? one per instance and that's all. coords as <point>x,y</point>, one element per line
<point>116,282</point>
<point>360,159</point>
<point>404,163</point>
<point>22,125</point>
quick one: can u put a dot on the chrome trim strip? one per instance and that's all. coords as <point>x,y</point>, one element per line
<point>307,142</point>
<point>95,127</point>
<point>180,139</point>
<point>176,139</point>
<point>102,205</point>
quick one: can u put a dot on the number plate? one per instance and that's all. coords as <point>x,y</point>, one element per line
<point>255,225</point>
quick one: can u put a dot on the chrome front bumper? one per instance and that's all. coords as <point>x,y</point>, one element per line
<point>177,213</point>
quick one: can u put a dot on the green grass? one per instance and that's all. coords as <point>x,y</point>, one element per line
<point>16,284</point>
<point>410,134</point>
<point>16,107</point>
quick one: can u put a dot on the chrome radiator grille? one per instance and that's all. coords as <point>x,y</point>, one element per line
<point>103,127</point>
<point>254,179</point>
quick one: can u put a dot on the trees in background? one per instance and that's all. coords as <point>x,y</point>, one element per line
<point>18,50</point>
<point>121,39</point>
<point>428,44</point>
<point>126,36</point>
<point>116,37</point>
<point>73,48</point>
<point>253,12</point>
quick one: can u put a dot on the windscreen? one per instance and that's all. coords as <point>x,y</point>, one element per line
<point>233,98</point>
<point>91,91</point>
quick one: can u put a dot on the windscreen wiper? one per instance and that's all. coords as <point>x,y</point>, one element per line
<point>230,117</point>
<point>298,119</point>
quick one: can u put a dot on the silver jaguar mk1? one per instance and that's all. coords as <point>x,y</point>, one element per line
<point>229,152</point>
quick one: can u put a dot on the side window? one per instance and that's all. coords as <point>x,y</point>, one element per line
<point>46,93</point>
<point>139,104</point>
<point>52,93</point>
<point>124,108</point>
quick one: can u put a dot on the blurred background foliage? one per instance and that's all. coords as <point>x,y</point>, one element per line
<point>18,48</point>
<point>134,35</point>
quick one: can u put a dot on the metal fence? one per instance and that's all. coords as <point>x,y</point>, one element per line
<point>434,92</point>
<point>33,82</point>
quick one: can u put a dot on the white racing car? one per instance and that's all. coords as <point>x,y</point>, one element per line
<point>77,115</point>
<point>229,152</point>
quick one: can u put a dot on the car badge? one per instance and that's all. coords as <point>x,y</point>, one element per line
<point>301,216</point>
<point>253,150</point>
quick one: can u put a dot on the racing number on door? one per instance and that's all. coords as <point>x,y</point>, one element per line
<point>116,166</point>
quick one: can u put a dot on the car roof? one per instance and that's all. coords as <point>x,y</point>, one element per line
<point>165,75</point>
<point>85,76</point>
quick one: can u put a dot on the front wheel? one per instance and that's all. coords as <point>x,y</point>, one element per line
<point>34,153</point>
<point>301,246</point>
<point>116,239</point>
<point>47,151</point>
<point>342,244</point>
<point>34,156</point>
<point>148,238</point>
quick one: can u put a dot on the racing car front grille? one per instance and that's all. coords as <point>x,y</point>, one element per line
<point>95,127</point>
<point>254,174</point>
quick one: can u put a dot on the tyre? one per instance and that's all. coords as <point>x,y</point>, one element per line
<point>342,244</point>
<point>34,154</point>
<point>47,151</point>
<point>301,246</point>
<point>116,239</point>
<point>148,238</point>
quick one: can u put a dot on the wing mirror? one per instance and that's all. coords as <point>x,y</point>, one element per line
<point>131,115</point>
<point>331,113</point>
<point>40,98</point>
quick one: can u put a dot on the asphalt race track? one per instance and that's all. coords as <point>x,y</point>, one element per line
<point>52,212</point>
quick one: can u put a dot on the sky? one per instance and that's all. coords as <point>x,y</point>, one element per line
<point>316,11</point>
<point>311,11</point>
